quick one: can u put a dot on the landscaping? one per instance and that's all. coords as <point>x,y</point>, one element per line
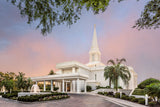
<point>32,98</point>
<point>129,98</point>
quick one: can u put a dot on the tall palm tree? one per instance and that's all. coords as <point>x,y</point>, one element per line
<point>117,70</point>
<point>108,74</point>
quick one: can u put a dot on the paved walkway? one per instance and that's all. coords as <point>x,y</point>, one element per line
<point>76,100</point>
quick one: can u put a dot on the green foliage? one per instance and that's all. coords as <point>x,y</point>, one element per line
<point>10,95</point>
<point>152,103</point>
<point>150,17</point>
<point>153,90</point>
<point>115,71</point>
<point>55,88</point>
<point>89,88</point>
<point>141,101</point>
<point>131,97</point>
<point>51,72</point>
<point>117,95</point>
<point>125,97</point>
<point>146,82</point>
<point>138,92</point>
<point>134,100</point>
<point>99,87</point>
<point>49,13</point>
<point>44,97</point>
<point>21,80</point>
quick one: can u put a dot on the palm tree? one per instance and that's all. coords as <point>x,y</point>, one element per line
<point>117,70</point>
<point>108,74</point>
<point>29,83</point>
<point>21,82</point>
<point>51,73</point>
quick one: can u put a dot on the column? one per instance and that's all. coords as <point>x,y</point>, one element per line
<point>51,85</point>
<point>36,82</point>
<point>70,86</point>
<point>44,88</point>
<point>78,88</point>
<point>63,85</point>
<point>73,70</point>
<point>85,90</point>
<point>74,86</point>
<point>66,86</point>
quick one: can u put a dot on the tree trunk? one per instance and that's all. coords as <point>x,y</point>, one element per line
<point>110,83</point>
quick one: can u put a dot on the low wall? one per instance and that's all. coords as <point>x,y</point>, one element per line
<point>30,93</point>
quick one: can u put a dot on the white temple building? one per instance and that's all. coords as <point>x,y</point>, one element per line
<point>74,76</point>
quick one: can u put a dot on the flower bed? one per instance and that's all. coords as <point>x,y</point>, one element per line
<point>126,97</point>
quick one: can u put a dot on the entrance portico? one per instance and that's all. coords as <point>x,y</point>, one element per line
<point>65,82</point>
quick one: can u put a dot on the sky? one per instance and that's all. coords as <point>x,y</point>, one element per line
<point>25,49</point>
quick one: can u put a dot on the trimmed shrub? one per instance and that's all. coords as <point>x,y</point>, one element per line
<point>152,103</point>
<point>105,93</point>
<point>125,97</point>
<point>131,97</point>
<point>138,92</point>
<point>100,93</point>
<point>108,87</point>
<point>141,101</point>
<point>120,87</point>
<point>89,88</point>
<point>117,95</point>
<point>146,82</point>
<point>10,95</point>
<point>110,93</point>
<point>134,100</point>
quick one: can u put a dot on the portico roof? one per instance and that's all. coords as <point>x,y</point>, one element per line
<point>71,64</point>
<point>61,77</point>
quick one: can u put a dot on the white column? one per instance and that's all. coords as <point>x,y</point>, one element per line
<point>73,70</point>
<point>44,88</point>
<point>51,85</point>
<point>66,86</point>
<point>74,86</point>
<point>70,86</point>
<point>85,86</point>
<point>63,85</point>
<point>36,82</point>
<point>78,88</point>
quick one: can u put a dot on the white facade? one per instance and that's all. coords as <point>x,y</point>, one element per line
<point>77,75</point>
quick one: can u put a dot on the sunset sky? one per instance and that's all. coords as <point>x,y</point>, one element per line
<point>24,49</point>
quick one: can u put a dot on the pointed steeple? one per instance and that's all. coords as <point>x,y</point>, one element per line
<point>94,51</point>
<point>94,40</point>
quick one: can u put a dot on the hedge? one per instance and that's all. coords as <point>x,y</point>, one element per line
<point>45,97</point>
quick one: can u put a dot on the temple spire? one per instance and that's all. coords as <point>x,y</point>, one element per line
<point>94,51</point>
<point>94,40</point>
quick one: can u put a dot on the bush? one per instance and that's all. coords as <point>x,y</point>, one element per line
<point>141,101</point>
<point>131,97</point>
<point>134,100</point>
<point>125,97</point>
<point>56,88</point>
<point>45,97</point>
<point>120,87</point>
<point>117,95</point>
<point>10,95</point>
<point>146,82</point>
<point>89,88</point>
<point>100,93</point>
<point>108,87</point>
<point>152,103</point>
<point>110,93</point>
<point>139,92</point>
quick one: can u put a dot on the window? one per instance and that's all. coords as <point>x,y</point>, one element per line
<point>93,57</point>
<point>95,76</point>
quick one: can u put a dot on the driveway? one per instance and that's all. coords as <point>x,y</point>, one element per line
<point>76,100</point>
